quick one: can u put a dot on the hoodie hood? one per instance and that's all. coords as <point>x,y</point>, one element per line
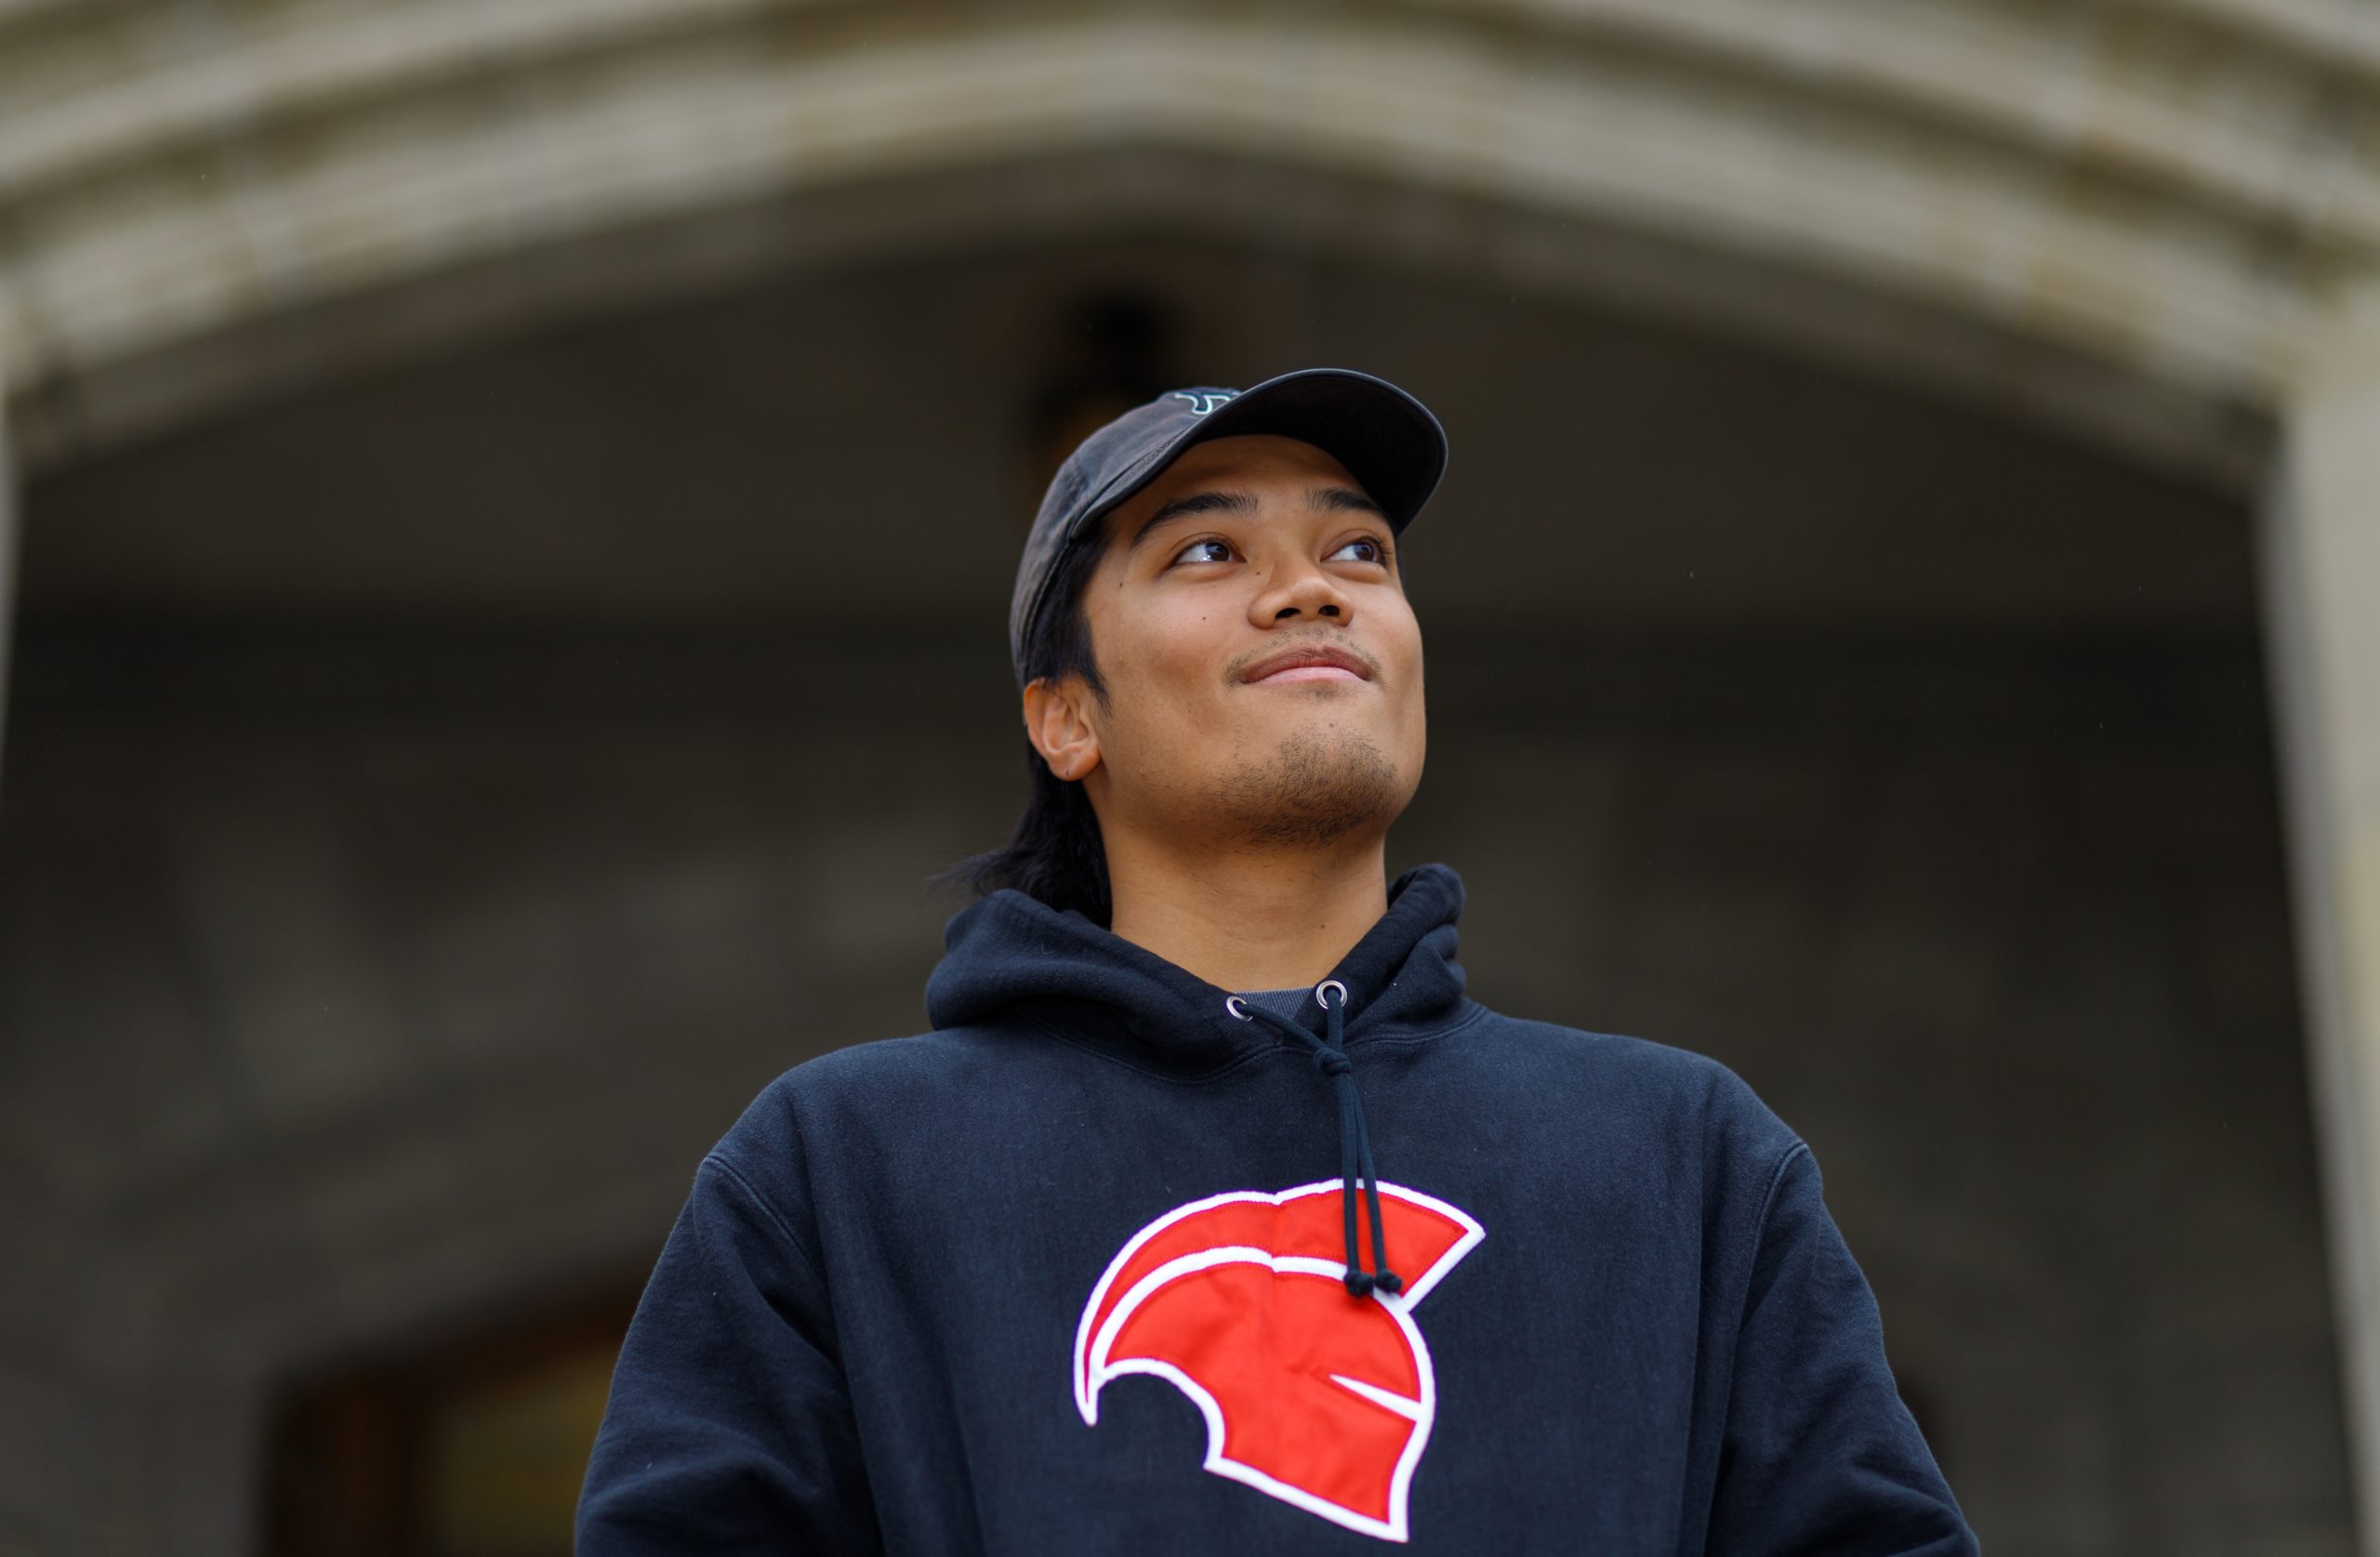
<point>1012,958</point>
<point>1010,955</point>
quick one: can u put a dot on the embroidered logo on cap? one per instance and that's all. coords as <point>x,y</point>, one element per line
<point>1312,1395</point>
<point>1203,401</point>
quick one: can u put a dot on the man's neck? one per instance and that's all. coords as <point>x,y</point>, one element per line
<point>1259,920</point>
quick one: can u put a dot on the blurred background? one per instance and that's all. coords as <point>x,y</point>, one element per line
<point>511,510</point>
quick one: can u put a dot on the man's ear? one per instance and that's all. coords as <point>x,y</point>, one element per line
<point>1057,722</point>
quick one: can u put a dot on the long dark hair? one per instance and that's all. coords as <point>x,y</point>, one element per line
<point>1055,854</point>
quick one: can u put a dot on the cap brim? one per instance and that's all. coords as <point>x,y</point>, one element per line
<point>1387,440</point>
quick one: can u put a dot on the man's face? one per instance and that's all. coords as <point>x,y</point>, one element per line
<point>1262,667</point>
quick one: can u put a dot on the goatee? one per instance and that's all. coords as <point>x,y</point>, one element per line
<point>1313,790</point>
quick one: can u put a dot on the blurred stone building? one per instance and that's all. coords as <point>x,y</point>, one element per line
<point>512,513</point>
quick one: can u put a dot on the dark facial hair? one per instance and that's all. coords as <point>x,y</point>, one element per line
<point>1314,789</point>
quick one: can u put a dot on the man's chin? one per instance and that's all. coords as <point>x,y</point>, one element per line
<point>1320,787</point>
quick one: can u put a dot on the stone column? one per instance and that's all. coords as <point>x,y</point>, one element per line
<point>2319,562</point>
<point>8,554</point>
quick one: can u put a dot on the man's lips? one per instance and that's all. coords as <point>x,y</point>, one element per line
<point>1310,673</point>
<point>1309,665</point>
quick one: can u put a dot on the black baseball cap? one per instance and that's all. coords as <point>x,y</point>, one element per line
<point>1387,440</point>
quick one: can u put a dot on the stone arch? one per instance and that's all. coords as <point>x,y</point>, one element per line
<point>2117,221</point>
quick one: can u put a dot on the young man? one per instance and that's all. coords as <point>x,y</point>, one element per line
<point>1213,1216</point>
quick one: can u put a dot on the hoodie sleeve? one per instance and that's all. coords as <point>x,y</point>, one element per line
<point>1819,1454</point>
<point>729,1428</point>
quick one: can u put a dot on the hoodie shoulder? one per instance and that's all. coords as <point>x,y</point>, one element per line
<point>1647,1083</point>
<point>866,1074</point>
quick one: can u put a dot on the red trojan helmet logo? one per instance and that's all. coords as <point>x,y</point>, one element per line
<point>1317,1398</point>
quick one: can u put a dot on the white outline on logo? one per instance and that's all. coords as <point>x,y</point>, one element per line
<point>1092,1370</point>
<point>1204,400</point>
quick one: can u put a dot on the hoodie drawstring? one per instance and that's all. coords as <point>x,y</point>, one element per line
<point>1355,1143</point>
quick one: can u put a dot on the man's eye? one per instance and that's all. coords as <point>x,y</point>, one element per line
<point>1204,551</point>
<point>1366,550</point>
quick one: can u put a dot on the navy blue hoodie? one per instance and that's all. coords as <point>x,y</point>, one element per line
<point>1072,1273</point>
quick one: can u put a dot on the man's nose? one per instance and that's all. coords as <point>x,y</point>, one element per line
<point>1305,589</point>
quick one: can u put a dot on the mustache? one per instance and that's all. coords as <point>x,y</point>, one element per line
<point>1325,640</point>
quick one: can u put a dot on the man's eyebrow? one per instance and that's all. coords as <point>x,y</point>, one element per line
<point>1345,499</point>
<point>1193,502</point>
<point>1336,499</point>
